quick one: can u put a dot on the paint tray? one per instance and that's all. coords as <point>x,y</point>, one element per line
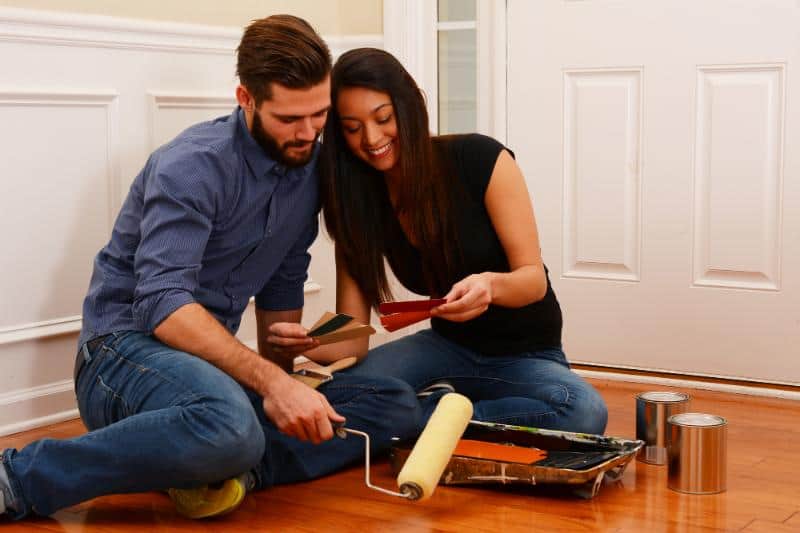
<point>576,461</point>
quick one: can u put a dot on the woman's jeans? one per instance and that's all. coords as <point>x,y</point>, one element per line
<point>160,418</point>
<point>535,389</point>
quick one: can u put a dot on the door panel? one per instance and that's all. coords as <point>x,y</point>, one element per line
<point>655,137</point>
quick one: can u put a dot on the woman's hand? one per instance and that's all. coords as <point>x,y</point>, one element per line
<point>467,299</point>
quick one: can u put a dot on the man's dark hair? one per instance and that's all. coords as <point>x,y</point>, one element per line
<point>283,49</point>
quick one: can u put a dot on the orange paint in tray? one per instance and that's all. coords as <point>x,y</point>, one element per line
<point>494,451</point>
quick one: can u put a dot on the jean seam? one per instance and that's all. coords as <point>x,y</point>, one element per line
<point>187,395</point>
<point>447,377</point>
<point>22,507</point>
<point>566,402</point>
<point>189,403</point>
<point>200,407</point>
<point>117,337</point>
<point>14,485</point>
<point>360,388</point>
<point>438,340</point>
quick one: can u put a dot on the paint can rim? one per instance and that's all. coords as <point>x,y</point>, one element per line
<point>704,420</point>
<point>663,397</point>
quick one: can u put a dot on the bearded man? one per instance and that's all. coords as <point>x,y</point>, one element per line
<point>172,400</point>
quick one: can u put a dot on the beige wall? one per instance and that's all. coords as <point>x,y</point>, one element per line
<point>330,17</point>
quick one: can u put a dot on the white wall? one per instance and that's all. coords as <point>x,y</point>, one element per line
<point>83,101</point>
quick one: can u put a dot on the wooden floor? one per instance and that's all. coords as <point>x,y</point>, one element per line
<point>763,490</point>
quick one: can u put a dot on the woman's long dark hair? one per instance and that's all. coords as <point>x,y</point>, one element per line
<point>358,213</point>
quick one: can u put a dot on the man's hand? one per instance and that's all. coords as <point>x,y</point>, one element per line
<point>285,341</point>
<point>289,338</point>
<point>300,411</point>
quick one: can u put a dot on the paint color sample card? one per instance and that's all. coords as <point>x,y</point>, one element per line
<point>397,315</point>
<point>331,325</point>
<point>332,328</point>
<point>410,305</point>
<point>397,321</point>
<point>313,374</point>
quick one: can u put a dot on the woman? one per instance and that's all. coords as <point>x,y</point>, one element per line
<point>452,217</point>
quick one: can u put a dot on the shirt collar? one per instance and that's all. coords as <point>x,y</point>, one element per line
<point>260,163</point>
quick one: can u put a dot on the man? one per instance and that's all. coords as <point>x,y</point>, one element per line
<point>225,211</point>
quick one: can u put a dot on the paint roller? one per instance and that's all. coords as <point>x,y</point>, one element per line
<point>421,472</point>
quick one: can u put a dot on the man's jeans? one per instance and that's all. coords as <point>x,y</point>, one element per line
<point>160,418</point>
<point>535,389</point>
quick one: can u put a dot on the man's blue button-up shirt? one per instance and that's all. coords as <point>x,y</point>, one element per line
<point>210,219</point>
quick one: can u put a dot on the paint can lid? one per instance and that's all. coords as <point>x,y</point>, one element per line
<point>697,419</point>
<point>663,396</point>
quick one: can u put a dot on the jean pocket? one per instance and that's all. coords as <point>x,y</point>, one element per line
<point>101,405</point>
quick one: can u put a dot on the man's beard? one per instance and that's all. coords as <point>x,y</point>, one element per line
<point>278,152</point>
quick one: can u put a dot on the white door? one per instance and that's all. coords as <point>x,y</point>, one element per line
<point>661,144</point>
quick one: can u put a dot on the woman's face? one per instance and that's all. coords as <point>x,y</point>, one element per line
<point>369,126</point>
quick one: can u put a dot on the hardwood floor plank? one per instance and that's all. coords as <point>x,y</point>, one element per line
<point>794,520</point>
<point>765,526</point>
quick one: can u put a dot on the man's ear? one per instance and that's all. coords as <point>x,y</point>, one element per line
<point>245,99</point>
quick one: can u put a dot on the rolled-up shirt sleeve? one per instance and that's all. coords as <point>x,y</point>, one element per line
<point>284,290</point>
<point>179,208</point>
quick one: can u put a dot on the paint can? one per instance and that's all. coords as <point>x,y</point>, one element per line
<point>697,455</point>
<point>652,411</point>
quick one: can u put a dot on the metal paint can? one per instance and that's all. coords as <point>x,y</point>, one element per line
<point>697,455</point>
<point>652,411</point>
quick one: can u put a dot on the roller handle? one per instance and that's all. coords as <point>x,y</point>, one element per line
<point>422,470</point>
<point>342,432</point>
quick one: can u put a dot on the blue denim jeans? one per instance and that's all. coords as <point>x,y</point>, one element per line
<point>535,389</point>
<point>162,418</point>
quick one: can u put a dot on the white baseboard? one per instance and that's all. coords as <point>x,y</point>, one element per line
<point>26,409</point>
<point>689,383</point>
<point>42,421</point>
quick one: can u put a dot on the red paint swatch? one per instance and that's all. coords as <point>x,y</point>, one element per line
<point>388,308</point>
<point>396,321</point>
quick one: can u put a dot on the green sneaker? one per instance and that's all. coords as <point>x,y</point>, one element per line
<point>204,502</point>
